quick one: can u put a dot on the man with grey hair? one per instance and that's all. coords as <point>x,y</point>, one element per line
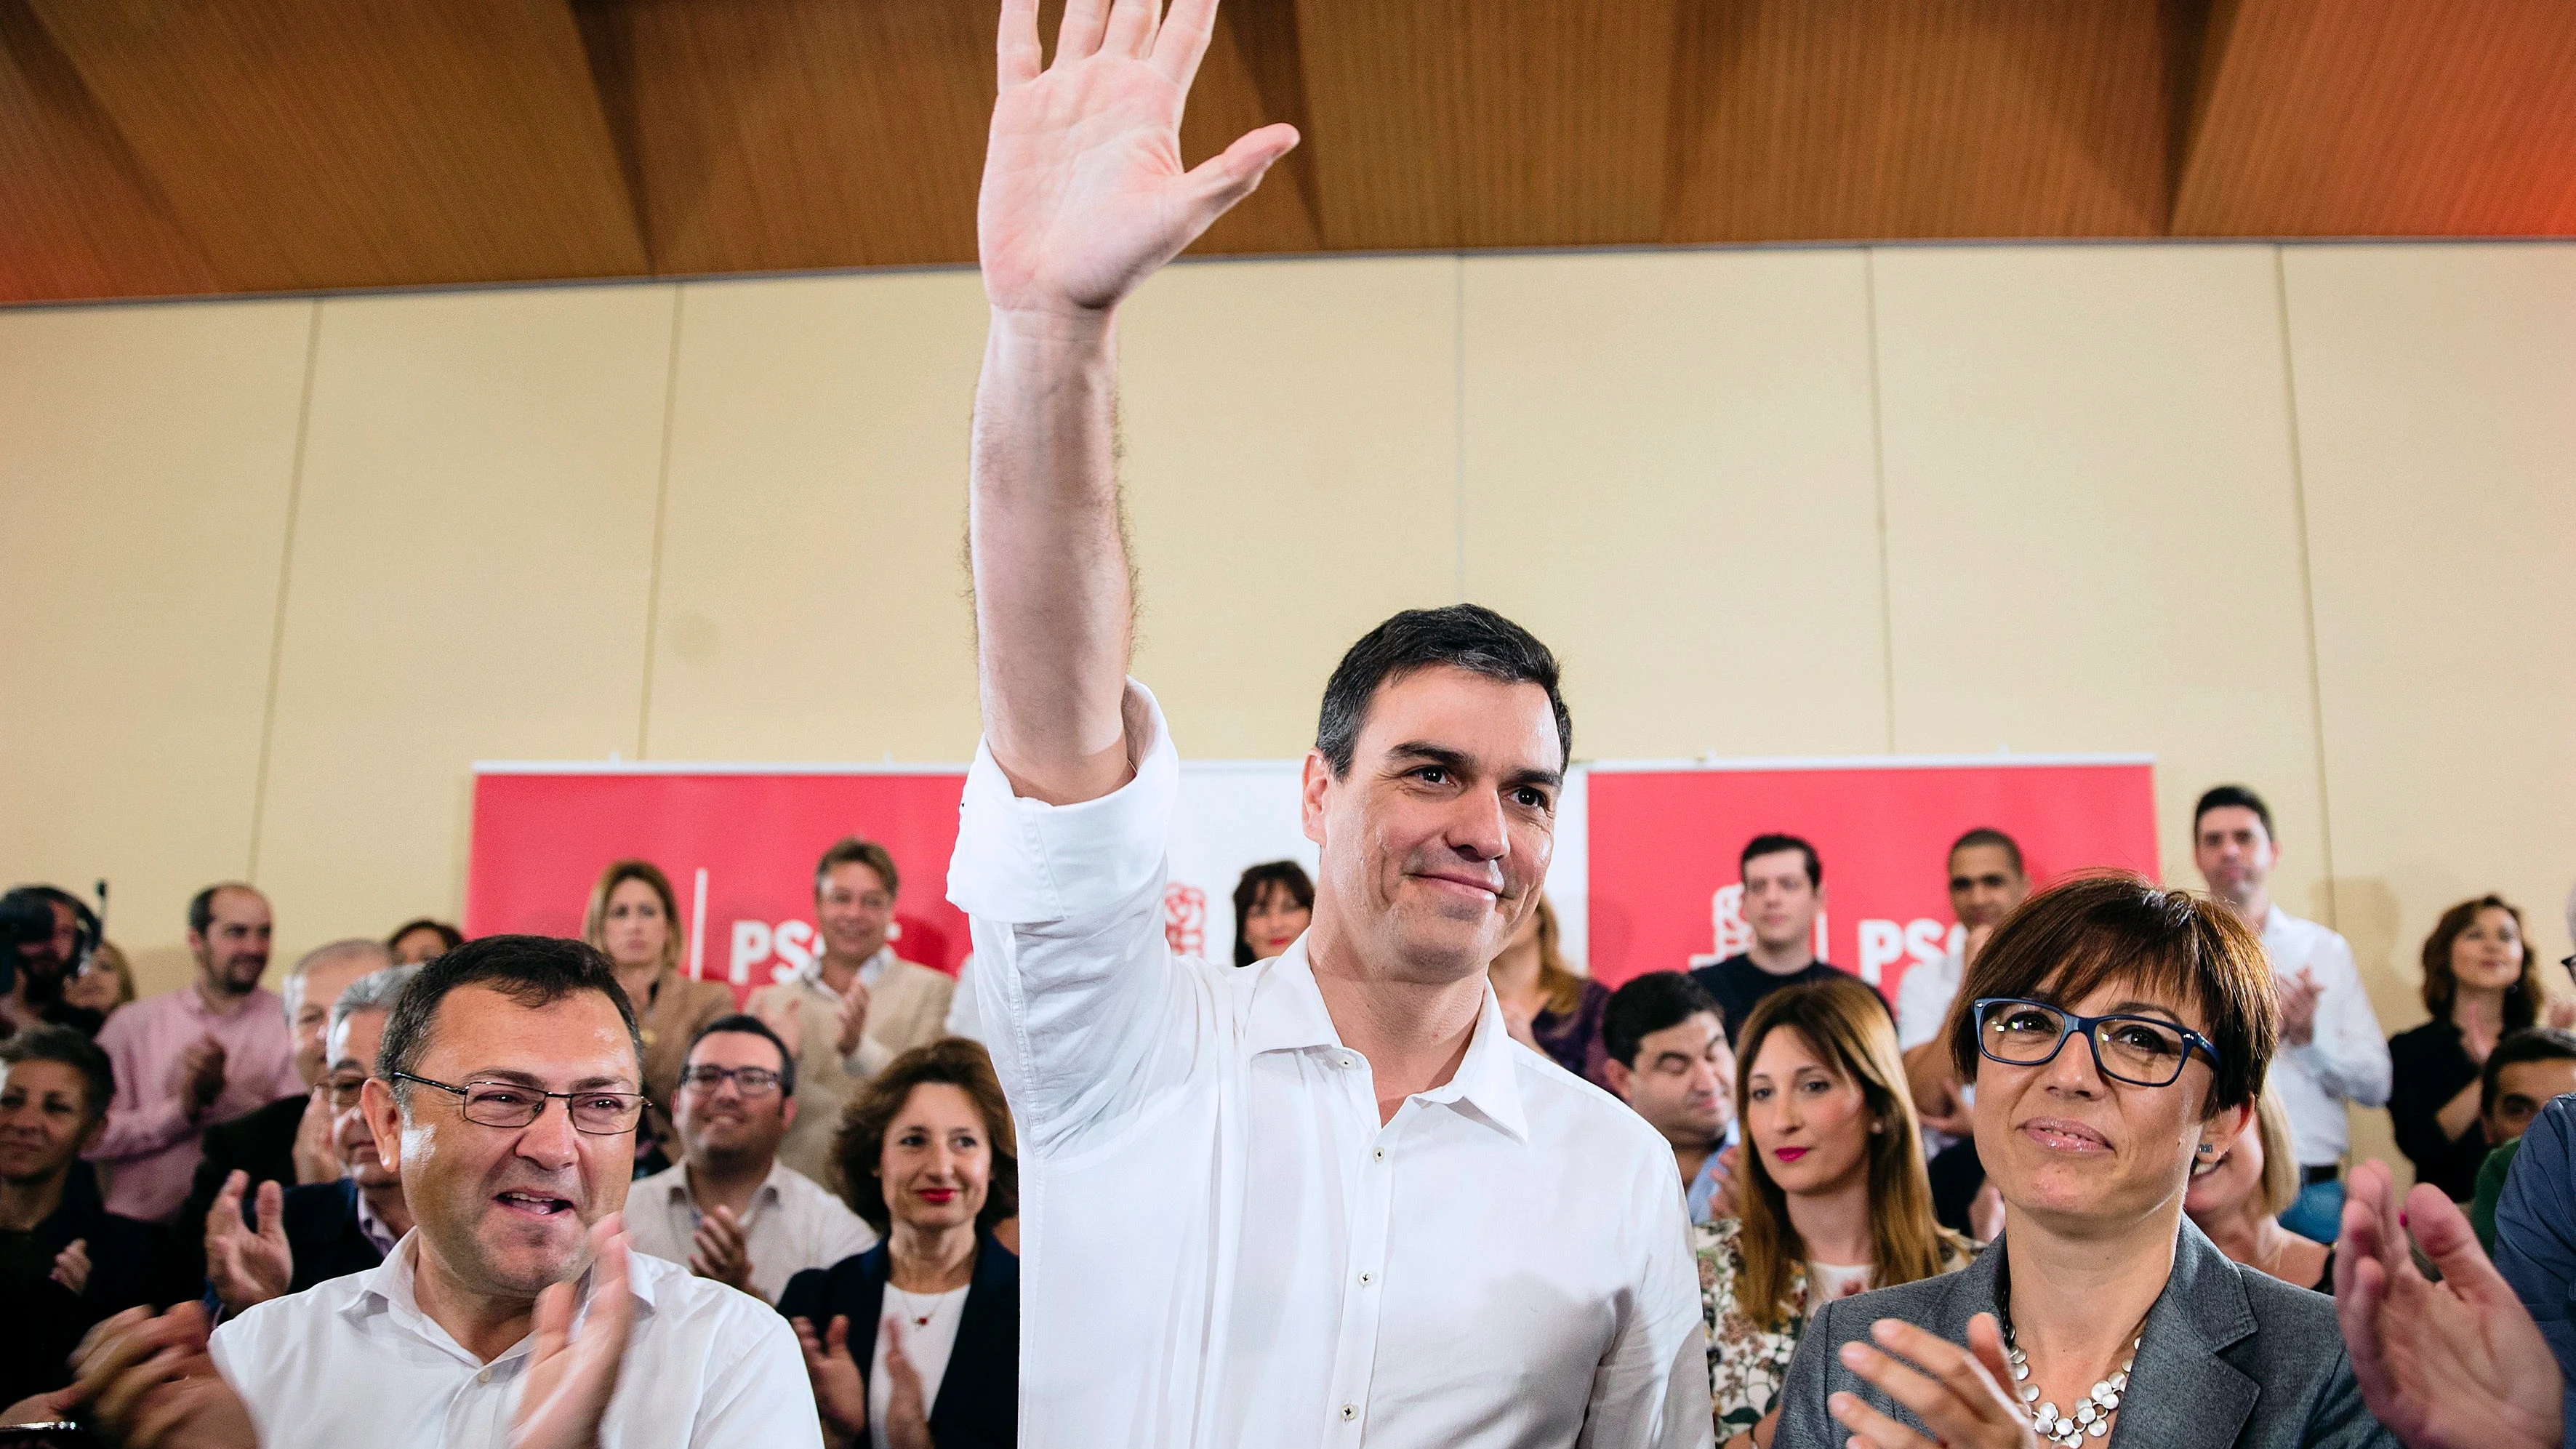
<point>288,1141</point>
<point>320,1230</point>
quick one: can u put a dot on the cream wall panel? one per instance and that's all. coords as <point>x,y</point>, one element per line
<point>813,603</point>
<point>472,559</point>
<point>145,456</point>
<point>1292,477</point>
<point>1669,479</point>
<point>2092,519</point>
<point>2437,418</point>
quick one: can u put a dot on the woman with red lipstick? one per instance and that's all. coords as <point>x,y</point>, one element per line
<point>2113,1030</point>
<point>916,1342</point>
<point>1273,904</point>
<point>1835,1202</point>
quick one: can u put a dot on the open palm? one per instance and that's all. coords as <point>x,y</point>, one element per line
<point>1084,192</point>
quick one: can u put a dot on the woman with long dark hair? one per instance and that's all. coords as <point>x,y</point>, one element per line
<point>2481,980</point>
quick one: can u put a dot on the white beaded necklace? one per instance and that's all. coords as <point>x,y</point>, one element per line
<point>2091,1415</point>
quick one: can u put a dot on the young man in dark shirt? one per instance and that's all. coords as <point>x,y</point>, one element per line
<point>1784,888</point>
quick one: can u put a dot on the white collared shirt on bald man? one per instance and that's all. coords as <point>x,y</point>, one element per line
<point>1222,1245</point>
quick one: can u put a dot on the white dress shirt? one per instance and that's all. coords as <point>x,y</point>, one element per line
<point>354,1361</point>
<point>2346,1061</point>
<point>1923,999</point>
<point>1222,1246</point>
<point>792,1225</point>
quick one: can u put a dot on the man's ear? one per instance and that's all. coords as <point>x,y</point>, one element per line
<point>1620,1079</point>
<point>1311,787</point>
<point>787,1110</point>
<point>384,1121</point>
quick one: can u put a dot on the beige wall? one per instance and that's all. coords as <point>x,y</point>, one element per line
<point>2299,516</point>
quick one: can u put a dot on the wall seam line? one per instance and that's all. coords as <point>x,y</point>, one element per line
<point>1458,415</point>
<point>285,577</point>
<point>2307,587</point>
<point>1878,481</point>
<point>661,508</point>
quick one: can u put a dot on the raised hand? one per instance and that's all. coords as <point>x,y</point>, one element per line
<point>839,1390</point>
<point>203,1067</point>
<point>148,1382</point>
<point>247,1267</point>
<point>2299,1008</point>
<point>1727,1201</point>
<point>719,1250</point>
<point>907,1416</point>
<point>2451,1365</point>
<point>1084,193</point>
<point>784,1014</point>
<point>71,1266</point>
<point>317,1147</point>
<point>571,1379</point>
<point>850,1014</point>
<point>1957,1393</point>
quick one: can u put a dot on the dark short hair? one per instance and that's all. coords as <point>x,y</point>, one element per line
<point>201,906</point>
<point>2531,1044</point>
<point>851,850</point>
<point>1774,844</point>
<point>1648,1004</point>
<point>1458,636</point>
<point>1288,875</point>
<point>447,933</point>
<point>2237,797</point>
<point>2441,984</point>
<point>533,971</point>
<point>860,1143</point>
<point>1988,835</point>
<point>2068,940</point>
<point>71,1049</point>
<point>749,1025</point>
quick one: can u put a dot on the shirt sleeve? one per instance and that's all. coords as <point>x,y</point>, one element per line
<point>2347,1053</point>
<point>1085,1011</point>
<point>141,1119</point>
<point>1651,1391</point>
<point>761,1398</point>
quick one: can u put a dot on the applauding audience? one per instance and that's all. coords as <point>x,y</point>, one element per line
<point>1546,1005</point>
<point>634,921</point>
<point>1834,1199</point>
<point>2238,1189</point>
<point>2112,1029</point>
<point>1668,1058</point>
<point>917,1341</point>
<point>2480,982</point>
<point>731,1210</point>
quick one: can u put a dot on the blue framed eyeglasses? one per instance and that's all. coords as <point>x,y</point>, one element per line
<point>2143,1051</point>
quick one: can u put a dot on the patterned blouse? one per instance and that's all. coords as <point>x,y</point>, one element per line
<point>1747,1362</point>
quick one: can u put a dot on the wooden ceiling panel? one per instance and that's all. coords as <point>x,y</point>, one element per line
<point>2394,118</point>
<point>793,134</point>
<point>323,143</point>
<point>81,221</point>
<point>1386,85</point>
<point>1814,120</point>
<point>1254,75</point>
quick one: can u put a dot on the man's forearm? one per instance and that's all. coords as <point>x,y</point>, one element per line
<point>1053,608</point>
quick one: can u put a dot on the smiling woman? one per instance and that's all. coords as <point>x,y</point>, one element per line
<point>2113,1031</point>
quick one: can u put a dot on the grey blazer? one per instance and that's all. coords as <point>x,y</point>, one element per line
<point>2231,1359</point>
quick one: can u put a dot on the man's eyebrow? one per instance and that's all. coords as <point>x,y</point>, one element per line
<point>594,1083</point>
<point>1546,779</point>
<point>1431,754</point>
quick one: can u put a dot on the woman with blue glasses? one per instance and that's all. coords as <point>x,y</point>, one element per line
<point>2115,1032</point>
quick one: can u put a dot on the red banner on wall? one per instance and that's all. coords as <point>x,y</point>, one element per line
<point>1666,893</point>
<point>739,848</point>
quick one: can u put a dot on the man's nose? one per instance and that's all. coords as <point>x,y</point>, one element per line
<point>1478,830</point>
<point>551,1139</point>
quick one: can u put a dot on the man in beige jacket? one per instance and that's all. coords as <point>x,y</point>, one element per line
<point>856,1008</point>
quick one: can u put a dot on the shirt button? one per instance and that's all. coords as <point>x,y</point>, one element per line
<point>1379,1154</point>
<point>1367,1278</point>
<point>484,1377</point>
<point>1350,1412</point>
<point>1348,1061</point>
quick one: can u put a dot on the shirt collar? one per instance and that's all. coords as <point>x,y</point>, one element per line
<point>390,1288</point>
<point>872,970</point>
<point>1288,1015</point>
<point>678,1187</point>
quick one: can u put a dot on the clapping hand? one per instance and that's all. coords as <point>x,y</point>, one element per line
<point>71,1266</point>
<point>571,1378</point>
<point>2299,1008</point>
<point>1958,1393</point>
<point>839,1390</point>
<point>850,1015</point>
<point>247,1267</point>
<point>317,1147</point>
<point>2451,1365</point>
<point>1084,194</point>
<point>148,1382</point>
<point>907,1416</point>
<point>718,1250</point>
<point>197,1076</point>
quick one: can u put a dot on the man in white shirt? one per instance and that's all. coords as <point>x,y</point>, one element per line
<point>857,1005</point>
<point>507,1091</point>
<point>1987,881</point>
<point>1325,1200</point>
<point>1670,1062</point>
<point>2333,1054</point>
<point>731,1210</point>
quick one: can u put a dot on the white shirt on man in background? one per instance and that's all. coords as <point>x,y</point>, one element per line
<point>1923,999</point>
<point>354,1361</point>
<point>1223,1246</point>
<point>2346,1061</point>
<point>792,1225</point>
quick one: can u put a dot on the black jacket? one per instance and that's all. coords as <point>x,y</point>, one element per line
<point>41,1321</point>
<point>979,1396</point>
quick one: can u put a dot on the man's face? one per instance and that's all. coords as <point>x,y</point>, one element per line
<point>1985,885</point>
<point>1683,1080</point>
<point>1437,840</point>
<point>1779,901</point>
<point>308,997</point>
<point>2234,852</point>
<point>233,949</point>
<point>853,908</point>
<point>45,961</point>
<point>507,1210</point>
<point>45,1120</point>
<point>2522,1089</point>
<point>720,1123</point>
<point>353,1059</point>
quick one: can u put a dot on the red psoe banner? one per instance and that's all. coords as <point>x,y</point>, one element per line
<point>1666,893</point>
<point>739,848</point>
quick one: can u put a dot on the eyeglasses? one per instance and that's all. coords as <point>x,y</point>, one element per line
<point>750,1081</point>
<point>510,1104</point>
<point>2143,1051</point>
<point>346,1090</point>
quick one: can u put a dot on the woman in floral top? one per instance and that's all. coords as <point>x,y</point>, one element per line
<point>1834,1198</point>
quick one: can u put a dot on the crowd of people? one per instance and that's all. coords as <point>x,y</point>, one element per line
<point>1397,1173</point>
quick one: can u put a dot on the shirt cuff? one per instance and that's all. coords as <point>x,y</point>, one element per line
<point>1021,861</point>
